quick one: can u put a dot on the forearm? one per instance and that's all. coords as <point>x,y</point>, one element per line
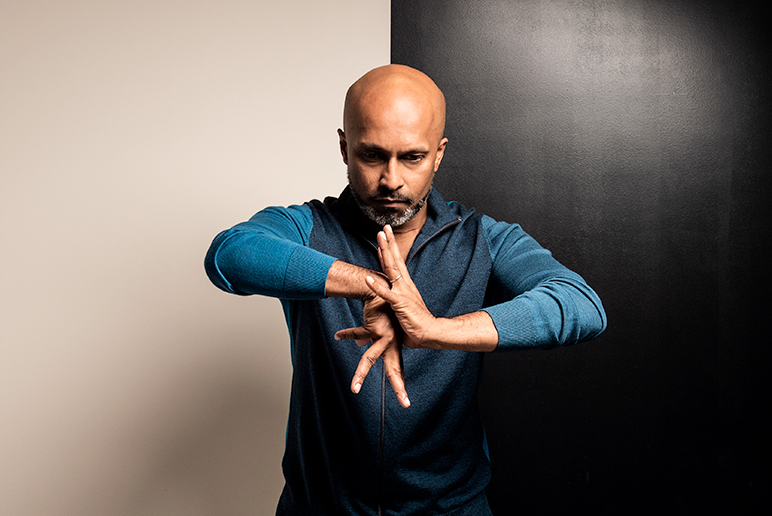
<point>269,255</point>
<point>252,263</point>
<point>471,332</point>
<point>541,303</point>
<point>347,280</point>
<point>555,313</point>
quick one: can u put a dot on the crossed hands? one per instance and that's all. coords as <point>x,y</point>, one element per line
<point>392,317</point>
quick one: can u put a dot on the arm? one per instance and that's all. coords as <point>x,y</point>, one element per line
<point>543,304</point>
<point>547,303</point>
<point>471,332</point>
<point>268,255</point>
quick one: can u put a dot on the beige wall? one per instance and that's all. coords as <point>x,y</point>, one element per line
<point>131,132</point>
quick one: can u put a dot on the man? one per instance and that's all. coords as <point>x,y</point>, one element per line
<point>423,285</point>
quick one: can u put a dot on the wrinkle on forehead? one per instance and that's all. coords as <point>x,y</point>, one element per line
<point>395,90</point>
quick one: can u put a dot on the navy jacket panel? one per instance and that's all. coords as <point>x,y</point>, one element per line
<point>350,454</point>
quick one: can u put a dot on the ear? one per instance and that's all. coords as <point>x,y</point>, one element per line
<point>440,153</point>
<point>343,146</point>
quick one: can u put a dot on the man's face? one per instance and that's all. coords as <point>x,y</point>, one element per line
<point>392,153</point>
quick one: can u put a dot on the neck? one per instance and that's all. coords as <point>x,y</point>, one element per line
<point>413,225</point>
<point>407,232</point>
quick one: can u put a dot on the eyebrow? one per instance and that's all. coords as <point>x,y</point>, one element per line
<point>372,147</point>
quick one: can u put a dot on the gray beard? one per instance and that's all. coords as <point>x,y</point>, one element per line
<point>393,217</point>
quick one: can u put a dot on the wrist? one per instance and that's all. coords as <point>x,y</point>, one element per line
<point>436,334</point>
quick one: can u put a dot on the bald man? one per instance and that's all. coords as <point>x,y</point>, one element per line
<point>388,284</point>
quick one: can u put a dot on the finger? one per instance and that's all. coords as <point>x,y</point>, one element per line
<point>368,360</point>
<point>361,336</point>
<point>390,262</point>
<point>392,364</point>
<point>387,295</point>
<point>396,255</point>
<point>393,245</point>
<point>352,333</point>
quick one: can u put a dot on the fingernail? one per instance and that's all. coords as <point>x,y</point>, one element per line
<point>357,386</point>
<point>337,337</point>
<point>407,401</point>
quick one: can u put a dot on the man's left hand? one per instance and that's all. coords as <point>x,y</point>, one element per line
<point>403,297</point>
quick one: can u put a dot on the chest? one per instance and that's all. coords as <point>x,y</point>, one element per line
<point>451,266</point>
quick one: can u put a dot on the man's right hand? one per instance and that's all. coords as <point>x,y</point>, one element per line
<point>380,326</point>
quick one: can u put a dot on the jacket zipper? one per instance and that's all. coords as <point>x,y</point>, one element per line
<point>379,470</point>
<point>382,427</point>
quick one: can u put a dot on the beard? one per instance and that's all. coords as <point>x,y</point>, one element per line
<point>394,217</point>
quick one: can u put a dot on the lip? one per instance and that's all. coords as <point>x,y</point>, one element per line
<point>390,202</point>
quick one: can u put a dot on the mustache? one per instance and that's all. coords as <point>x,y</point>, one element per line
<point>389,195</point>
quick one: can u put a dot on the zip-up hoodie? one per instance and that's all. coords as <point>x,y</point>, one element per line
<point>364,453</point>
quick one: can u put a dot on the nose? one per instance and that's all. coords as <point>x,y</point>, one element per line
<point>391,176</point>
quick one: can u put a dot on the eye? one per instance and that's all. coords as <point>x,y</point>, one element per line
<point>414,158</point>
<point>370,156</point>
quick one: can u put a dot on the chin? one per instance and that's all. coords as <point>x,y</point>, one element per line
<point>392,218</point>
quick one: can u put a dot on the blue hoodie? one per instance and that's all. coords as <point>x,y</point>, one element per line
<point>364,453</point>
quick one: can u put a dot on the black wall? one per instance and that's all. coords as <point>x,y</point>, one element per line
<point>633,139</point>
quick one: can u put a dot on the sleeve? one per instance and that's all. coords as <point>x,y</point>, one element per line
<point>269,255</point>
<point>543,304</point>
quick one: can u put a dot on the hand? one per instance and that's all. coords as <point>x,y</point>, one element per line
<point>381,329</point>
<point>404,298</point>
<point>474,331</point>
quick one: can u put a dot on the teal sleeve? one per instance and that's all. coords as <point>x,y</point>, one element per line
<point>269,255</point>
<point>541,303</point>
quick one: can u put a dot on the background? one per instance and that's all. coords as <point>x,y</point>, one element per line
<point>629,137</point>
<point>131,132</point>
<point>632,138</point>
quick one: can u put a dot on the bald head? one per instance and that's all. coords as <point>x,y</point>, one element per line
<point>391,93</point>
<point>392,144</point>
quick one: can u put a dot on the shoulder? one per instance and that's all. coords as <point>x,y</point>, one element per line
<point>497,230</point>
<point>297,214</point>
<point>454,210</point>
<point>506,237</point>
<point>294,222</point>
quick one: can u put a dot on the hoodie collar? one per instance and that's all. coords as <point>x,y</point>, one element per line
<point>439,216</point>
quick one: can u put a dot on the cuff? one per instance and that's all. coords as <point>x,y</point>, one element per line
<point>306,274</point>
<point>515,325</point>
